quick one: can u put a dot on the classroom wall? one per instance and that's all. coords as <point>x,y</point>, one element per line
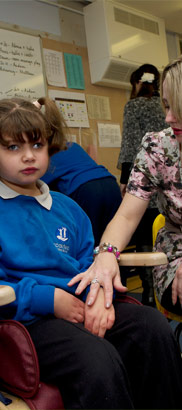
<point>62,30</point>
<point>117,98</point>
<point>30,14</point>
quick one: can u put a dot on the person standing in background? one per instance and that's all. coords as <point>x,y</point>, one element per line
<point>143,113</point>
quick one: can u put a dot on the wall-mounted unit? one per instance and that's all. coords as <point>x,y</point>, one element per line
<point>119,40</point>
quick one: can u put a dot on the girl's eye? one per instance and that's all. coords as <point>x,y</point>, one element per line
<point>38,145</point>
<point>12,147</point>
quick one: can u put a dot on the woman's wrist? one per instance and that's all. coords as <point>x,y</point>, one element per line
<point>107,247</point>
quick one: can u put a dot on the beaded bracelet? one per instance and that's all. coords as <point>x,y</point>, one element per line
<point>107,247</point>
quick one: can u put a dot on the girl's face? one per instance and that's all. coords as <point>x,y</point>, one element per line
<point>175,124</point>
<point>22,163</point>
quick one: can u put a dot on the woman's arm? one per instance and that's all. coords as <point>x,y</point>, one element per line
<point>105,267</point>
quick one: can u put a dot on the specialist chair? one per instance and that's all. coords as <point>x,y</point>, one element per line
<point>20,384</point>
<point>19,368</point>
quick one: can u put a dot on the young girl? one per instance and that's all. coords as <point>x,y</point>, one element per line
<point>45,240</point>
<point>74,173</point>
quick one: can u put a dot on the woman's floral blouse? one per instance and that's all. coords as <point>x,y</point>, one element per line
<point>158,168</point>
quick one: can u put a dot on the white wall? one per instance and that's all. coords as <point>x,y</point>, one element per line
<point>72,24</point>
<point>31,14</point>
<point>66,25</point>
<point>173,45</point>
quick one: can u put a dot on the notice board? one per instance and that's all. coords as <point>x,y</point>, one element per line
<point>88,137</point>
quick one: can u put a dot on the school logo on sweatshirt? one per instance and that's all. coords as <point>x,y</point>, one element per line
<point>62,238</point>
<point>61,234</point>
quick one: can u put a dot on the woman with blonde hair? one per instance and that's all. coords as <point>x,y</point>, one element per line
<point>157,169</point>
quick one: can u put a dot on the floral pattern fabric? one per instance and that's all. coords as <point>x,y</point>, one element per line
<point>158,168</point>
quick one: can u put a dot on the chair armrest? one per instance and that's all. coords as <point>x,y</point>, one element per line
<point>7,295</point>
<point>143,259</point>
<point>19,367</point>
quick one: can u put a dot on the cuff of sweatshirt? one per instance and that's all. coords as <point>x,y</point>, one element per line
<point>42,300</point>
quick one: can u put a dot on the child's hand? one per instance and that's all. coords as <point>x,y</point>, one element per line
<point>97,318</point>
<point>67,306</point>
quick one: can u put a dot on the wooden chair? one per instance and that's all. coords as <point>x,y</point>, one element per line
<point>143,259</point>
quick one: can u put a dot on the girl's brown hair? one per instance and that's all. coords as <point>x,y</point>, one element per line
<point>19,116</point>
<point>56,122</point>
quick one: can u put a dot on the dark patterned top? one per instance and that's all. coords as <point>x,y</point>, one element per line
<point>158,168</point>
<point>141,115</point>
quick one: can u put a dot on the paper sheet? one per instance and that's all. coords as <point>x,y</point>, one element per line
<point>72,106</point>
<point>21,67</point>
<point>109,135</point>
<point>54,68</point>
<point>98,107</point>
<point>74,71</point>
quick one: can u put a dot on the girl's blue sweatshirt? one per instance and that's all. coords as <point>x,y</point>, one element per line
<point>44,242</point>
<point>72,168</point>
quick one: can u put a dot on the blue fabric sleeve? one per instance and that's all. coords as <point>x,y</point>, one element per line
<point>31,300</point>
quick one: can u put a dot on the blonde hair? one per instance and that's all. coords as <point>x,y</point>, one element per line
<point>172,75</point>
<point>19,116</point>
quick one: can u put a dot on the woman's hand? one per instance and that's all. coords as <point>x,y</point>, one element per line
<point>67,306</point>
<point>105,268</point>
<point>97,318</point>
<point>177,286</point>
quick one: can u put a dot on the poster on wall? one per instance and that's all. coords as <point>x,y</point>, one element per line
<point>72,106</point>
<point>74,71</point>
<point>109,135</point>
<point>21,68</point>
<point>54,67</point>
<point>98,107</point>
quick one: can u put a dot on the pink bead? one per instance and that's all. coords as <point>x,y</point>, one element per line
<point>110,249</point>
<point>117,254</point>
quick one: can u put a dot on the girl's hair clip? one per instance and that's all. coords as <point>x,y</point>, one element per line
<point>37,104</point>
<point>147,78</point>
